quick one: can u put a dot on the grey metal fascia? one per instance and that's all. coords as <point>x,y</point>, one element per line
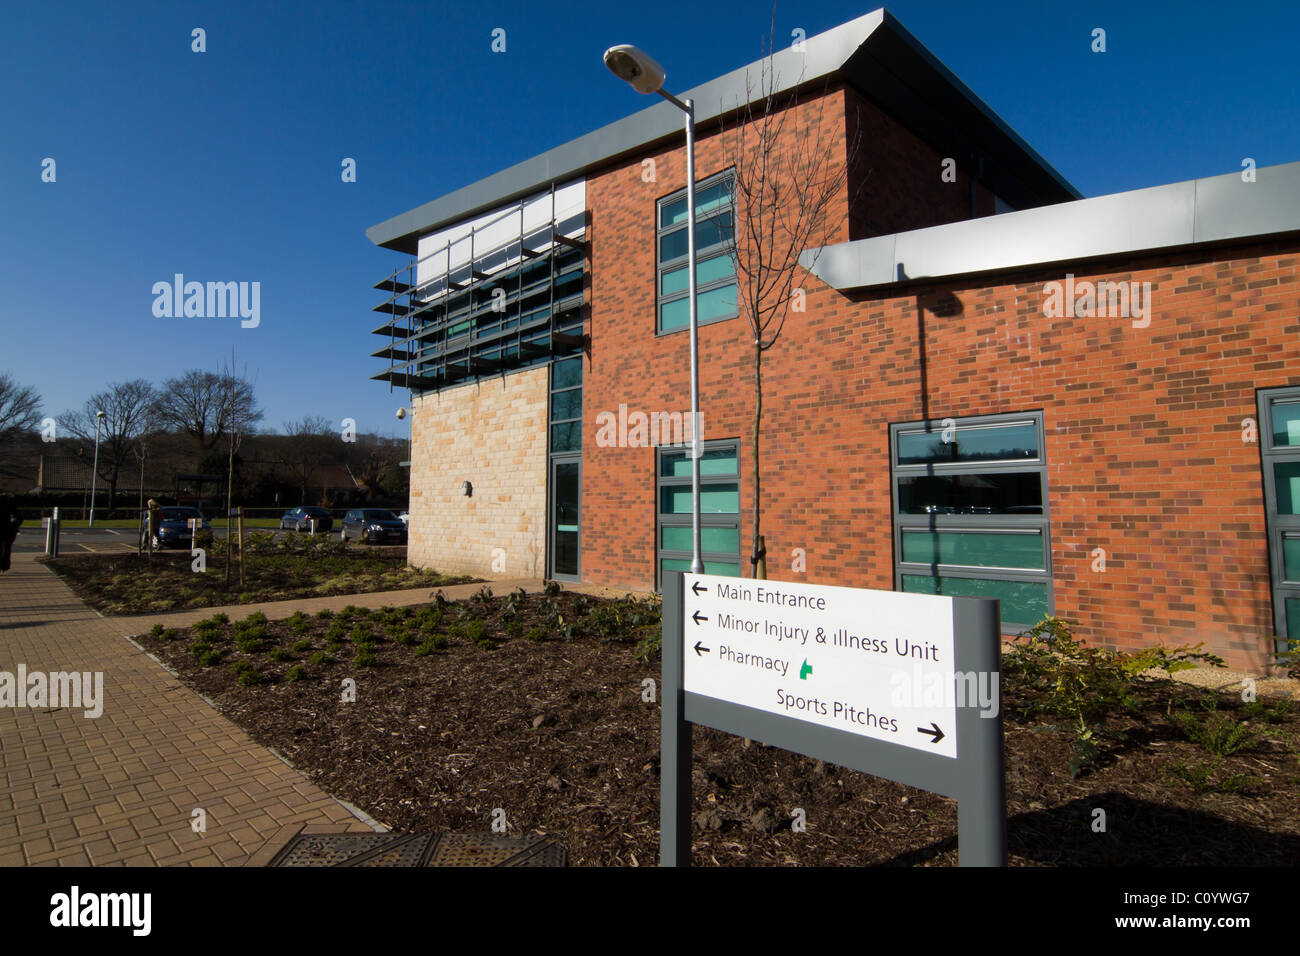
<point>822,56</point>
<point>1197,211</point>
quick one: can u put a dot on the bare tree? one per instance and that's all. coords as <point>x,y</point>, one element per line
<point>20,409</point>
<point>128,414</point>
<point>208,406</point>
<point>308,443</point>
<point>790,176</point>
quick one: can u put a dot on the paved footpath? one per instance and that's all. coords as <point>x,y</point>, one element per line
<point>121,788</point>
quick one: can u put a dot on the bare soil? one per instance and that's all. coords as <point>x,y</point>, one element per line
<point>557,733</point>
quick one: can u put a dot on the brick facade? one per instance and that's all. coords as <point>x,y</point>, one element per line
<point>1143,426</point>
<point>493,435</point>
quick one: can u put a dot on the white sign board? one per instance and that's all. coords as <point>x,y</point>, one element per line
<point>875,663</point>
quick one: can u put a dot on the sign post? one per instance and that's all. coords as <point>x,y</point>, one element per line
<point>901,686</point>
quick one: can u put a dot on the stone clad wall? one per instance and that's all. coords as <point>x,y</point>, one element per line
<point>492,434</point>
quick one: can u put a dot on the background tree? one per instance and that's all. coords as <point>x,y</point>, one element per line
<point>307,445</point>
<point>208,406</point>
<point>128,414</point>
<point>20,409</point>
<point>790,174</point>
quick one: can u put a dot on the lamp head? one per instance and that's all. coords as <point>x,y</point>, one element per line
<point>636,67</point>
<point>401,413</point>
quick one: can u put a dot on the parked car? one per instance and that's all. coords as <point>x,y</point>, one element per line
<point>372,525</point>
<point>299,519</point>
<point>174,527</point>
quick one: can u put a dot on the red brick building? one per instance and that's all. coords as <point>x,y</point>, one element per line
<point>1082,407</point>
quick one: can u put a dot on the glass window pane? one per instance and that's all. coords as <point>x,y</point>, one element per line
<point>566,437</point>
<point>710,270</point>
<point>714,461</point>
<point>674,315</point>
<point>1024,603</point>
<point>672,245</point>
<point>671,213</point>
<point>714,499</point>
<point>566,373</point>
<point>566,404</point>
<point>990,493</point>
<point>1286,423</point>
<point>708,232</point>
<point>716,303</point>
<point>710,567</point>
<point>1291,558</point>
<point>711,539</point>
<point>976,549</point>
<point>1292,617</point>
<point>973,443</point>
<point>1287,476</point>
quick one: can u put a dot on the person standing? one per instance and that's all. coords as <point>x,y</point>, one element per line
<point>10,519</point>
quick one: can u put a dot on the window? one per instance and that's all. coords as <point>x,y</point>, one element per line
<point>719,509</point>
<point>1279,446</point>
<point>970,512</point>
<point>715,272</point>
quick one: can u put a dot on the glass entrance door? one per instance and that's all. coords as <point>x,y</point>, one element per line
<point>566,519</point>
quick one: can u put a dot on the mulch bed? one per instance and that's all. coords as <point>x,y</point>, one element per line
<point>557,734</point>
<point>127,583</point>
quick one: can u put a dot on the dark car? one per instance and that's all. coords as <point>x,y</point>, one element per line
<point>174,527</point>
<point>299,519</point>
<point>374,526</point>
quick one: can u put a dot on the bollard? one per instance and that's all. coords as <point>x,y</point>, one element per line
<point>52,535</point>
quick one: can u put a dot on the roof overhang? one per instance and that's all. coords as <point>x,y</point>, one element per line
<point>873,54</point>
<point>1197,212</point>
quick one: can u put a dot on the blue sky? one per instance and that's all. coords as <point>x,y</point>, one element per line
<point>225,165</point>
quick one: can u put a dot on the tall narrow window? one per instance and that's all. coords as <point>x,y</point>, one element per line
<point>970,512</point>
<point>715,272</point>
<point>719,509</point>
<point>565,487</point>
<point>1279,446</point>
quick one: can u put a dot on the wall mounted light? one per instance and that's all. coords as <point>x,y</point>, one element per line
<point>466,489</point>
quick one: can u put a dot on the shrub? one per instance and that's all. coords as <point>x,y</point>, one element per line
<point>324,614</point>
<point>1083,684</point>
<point>246,675</point>
<point>538,634</point>
<point>221,617</point>
<point>1219,734</point>
<point>210,658</point>
<point>295,673</point>
<point>476,631</point>
<point>403,635</point>
<point>279,654</point>
<point>319,658</point>
<point>362,634</point>
<point>434,642</point>
<point>157,630</point>
<point>514,628</point>
<point>365,658</point>
<point>298,622</point>
<point>301,646</point>
<point>199,648</point>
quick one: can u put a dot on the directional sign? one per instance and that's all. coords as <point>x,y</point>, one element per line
<point>876,663</point>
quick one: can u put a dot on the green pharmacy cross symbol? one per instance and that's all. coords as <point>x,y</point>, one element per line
<point>805,670</point>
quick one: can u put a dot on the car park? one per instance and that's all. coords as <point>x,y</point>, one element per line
<point>299,519</point>
<point>373,525</point>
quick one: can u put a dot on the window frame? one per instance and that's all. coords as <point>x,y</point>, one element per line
<point>1278,526</point>
<point>707,520</point>
<point>996,523</point>
<point>726,248</point>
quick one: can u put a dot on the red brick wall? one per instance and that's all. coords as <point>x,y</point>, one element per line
<point>1144,450</point>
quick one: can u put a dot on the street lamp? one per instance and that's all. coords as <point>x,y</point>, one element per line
<point>639,69</point>
<point>402,412</point>
<point>94,469</point>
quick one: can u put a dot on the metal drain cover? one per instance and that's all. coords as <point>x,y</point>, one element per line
<point>419,849</point>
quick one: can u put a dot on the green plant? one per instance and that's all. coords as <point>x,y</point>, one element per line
<point>514,628</point>
<point>552,589</point>
<point>210,658</point>
<point>476,631</point>
<point>199,648</point>
<point>456,630</point>
<point>434,642</point>
<point>403,635</point>
<point>157,630</point>
<point>1203,777</point>
<point>538,634</point>
<point>1219,734</point>
<point>336,632</point>
<point>279,654</point>
<point>324,614</point>
<point>221,617</point>
<point>365,658</point>
<point>301,646</point>
<point>1081,684</point>
<point>298,622</point>
<point>362,634</point>
<point>320,658</point>
<point>295,673</point>
<point>246,675</point>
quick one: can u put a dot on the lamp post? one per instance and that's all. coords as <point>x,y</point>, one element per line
<point>94,469</point>
<point>640,70</point>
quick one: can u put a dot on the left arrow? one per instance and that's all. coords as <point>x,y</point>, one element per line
<point>695,586</point>
<point>701,650</point>
<point>697,618</point>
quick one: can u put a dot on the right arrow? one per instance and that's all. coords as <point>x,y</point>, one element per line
<point>936,733</point>
<point>697,618</point>
<point>701,650</point>
<point>695,586</point>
